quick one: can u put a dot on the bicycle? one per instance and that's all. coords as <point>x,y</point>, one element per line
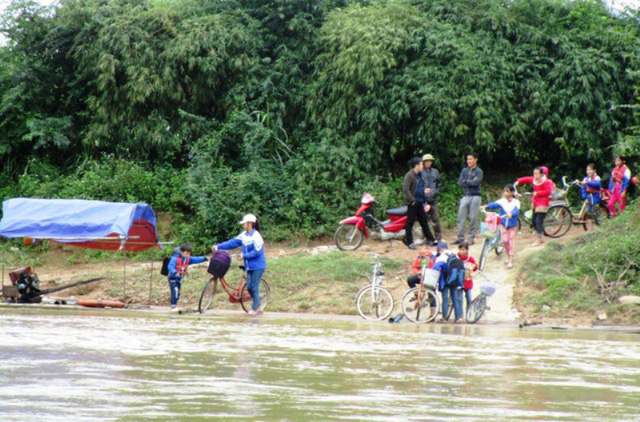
<point>478,306</point>
<point>492,241</point>
<point>239,294</point>
<point>374,302</point>
<point>554,221</point>
<point>585,217</point>
<point>416,299</point>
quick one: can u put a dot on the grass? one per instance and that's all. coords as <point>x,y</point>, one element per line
<point>585,277</point>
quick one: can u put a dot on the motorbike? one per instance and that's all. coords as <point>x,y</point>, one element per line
<point>353,230</point>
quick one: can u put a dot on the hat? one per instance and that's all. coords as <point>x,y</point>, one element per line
<point>428,157</point>
<point>442,245</point>
<point>249,218</point>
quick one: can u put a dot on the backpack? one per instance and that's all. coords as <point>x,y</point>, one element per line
<point>454,276</point>
<point>165,262</point>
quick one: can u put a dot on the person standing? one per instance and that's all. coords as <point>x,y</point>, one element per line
<point>255,262</point>
<point>542,188</point>
<point>414,196</point>
<point>620,176</point>
<point>178,268</point>
<point>432,183</point>
<point>470,180</point>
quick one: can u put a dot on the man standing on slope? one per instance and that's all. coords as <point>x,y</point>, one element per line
<point>470,179</point>
<point>432,183</point>
<point>413,190</point>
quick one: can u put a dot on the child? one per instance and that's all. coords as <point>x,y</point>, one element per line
<point>424,257</point>
<point>441,264</point>
<point>470,266</point>
<point>591,186</point>
<point>178,268</point>
<point>542,188</point>
<point>508,209</point>
<point>255,262</point>
<point>620,176</point>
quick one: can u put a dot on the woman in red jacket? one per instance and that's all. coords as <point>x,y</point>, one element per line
<point>542,188</point>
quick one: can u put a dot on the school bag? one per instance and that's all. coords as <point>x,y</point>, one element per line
<point>454,275</point>
<point>164,270</point>
<point>219,264</point>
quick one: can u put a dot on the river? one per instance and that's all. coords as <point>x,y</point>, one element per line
<point>66,366</point>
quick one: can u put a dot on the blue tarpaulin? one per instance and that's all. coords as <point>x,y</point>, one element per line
<point>90,224</point>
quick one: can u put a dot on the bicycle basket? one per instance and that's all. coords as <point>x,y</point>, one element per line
<point>488,289</point>
<point>558,194</point>
<point>431,278</point>
<point>484,231</point>
<point>219,264</point>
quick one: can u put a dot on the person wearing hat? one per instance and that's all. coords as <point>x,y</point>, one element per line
<point>178,268</point>
<point>255,262</point>
<point>432,183</point>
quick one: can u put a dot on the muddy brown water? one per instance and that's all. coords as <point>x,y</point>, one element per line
<point>70,366</point>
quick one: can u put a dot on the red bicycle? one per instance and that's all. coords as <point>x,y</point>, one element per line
<point>239,294</point>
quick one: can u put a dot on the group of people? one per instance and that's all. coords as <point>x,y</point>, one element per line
<point>422,185</point>
<point>253,258</point>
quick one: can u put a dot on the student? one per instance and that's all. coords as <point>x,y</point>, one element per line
<point>255,262</point>
<point>442,265</point>
<point>414,196</point>
<point>542,188</point>
<point>591,186</point>
<point>470,266</point>
<point>508,209</point>
<point>620,176</point>
<point>178,268</point>
<point>424,257</point>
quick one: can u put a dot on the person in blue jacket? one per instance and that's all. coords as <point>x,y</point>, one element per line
<point>255,262</point>
<point>508,208</point>
<point>591,186</point>
<point>178,268</point>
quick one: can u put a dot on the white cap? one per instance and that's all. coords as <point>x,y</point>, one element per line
<point>249,218</point>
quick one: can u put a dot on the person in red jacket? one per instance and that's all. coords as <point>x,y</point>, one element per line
<point>620,177</point>
<point>470,266</point>
<point>542,188</point>
<point>424,257</point>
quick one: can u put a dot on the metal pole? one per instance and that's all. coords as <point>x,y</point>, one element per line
<point>124,278</point>
<point>150,282</point>
<point>3,258</point>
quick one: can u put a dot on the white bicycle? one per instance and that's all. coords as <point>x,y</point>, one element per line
<point>374,302</point>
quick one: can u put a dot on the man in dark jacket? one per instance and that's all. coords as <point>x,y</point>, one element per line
<point>432,183</point>
<point>471,180</point>
<point>413,190</point>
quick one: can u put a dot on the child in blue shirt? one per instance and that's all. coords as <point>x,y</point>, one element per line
<point>591,186</point>
<point>178,268</point>
<point>508,208</point>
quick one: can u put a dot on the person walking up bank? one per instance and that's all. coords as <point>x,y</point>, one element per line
<point>413,190</point>
<point>255,262</point>
<point>541,199</point>
<point>432,183</point>
<point>471,180</point>
<point>620,176</point>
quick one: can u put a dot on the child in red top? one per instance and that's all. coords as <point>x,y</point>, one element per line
<point>425,256</point>
<point>620,177</point>
<point>470,266</point>
<point>542,188</point>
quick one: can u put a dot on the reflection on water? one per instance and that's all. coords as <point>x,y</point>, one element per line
<point>73,368</point>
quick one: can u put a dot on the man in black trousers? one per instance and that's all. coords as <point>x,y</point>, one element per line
<point>413,190</point>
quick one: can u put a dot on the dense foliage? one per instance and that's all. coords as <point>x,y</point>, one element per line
<point>291,109</point>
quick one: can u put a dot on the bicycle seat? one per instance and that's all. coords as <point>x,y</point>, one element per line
<point>241,267</point>
<point>397,211</point>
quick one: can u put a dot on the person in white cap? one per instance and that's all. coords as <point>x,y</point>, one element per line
<point>255,262</point>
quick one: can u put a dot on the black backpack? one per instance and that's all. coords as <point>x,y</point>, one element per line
<point>165,262</point>
<point>454,276</point>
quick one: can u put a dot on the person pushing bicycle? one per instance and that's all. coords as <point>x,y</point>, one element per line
<point>253,255</point>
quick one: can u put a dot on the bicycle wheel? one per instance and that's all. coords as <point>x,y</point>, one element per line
<point>476,309</point>
<point>558,221</point>
<point>265,295</point>
<point>499,245</point>
<point>374,302</point>
<point>423,310</point>
<point>596,218</point>
<point>348,237</point>
<point>449,308</point>
<point>486,247</point>
<point>206,297</point>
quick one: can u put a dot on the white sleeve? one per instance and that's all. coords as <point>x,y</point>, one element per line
<point>258,241</point>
